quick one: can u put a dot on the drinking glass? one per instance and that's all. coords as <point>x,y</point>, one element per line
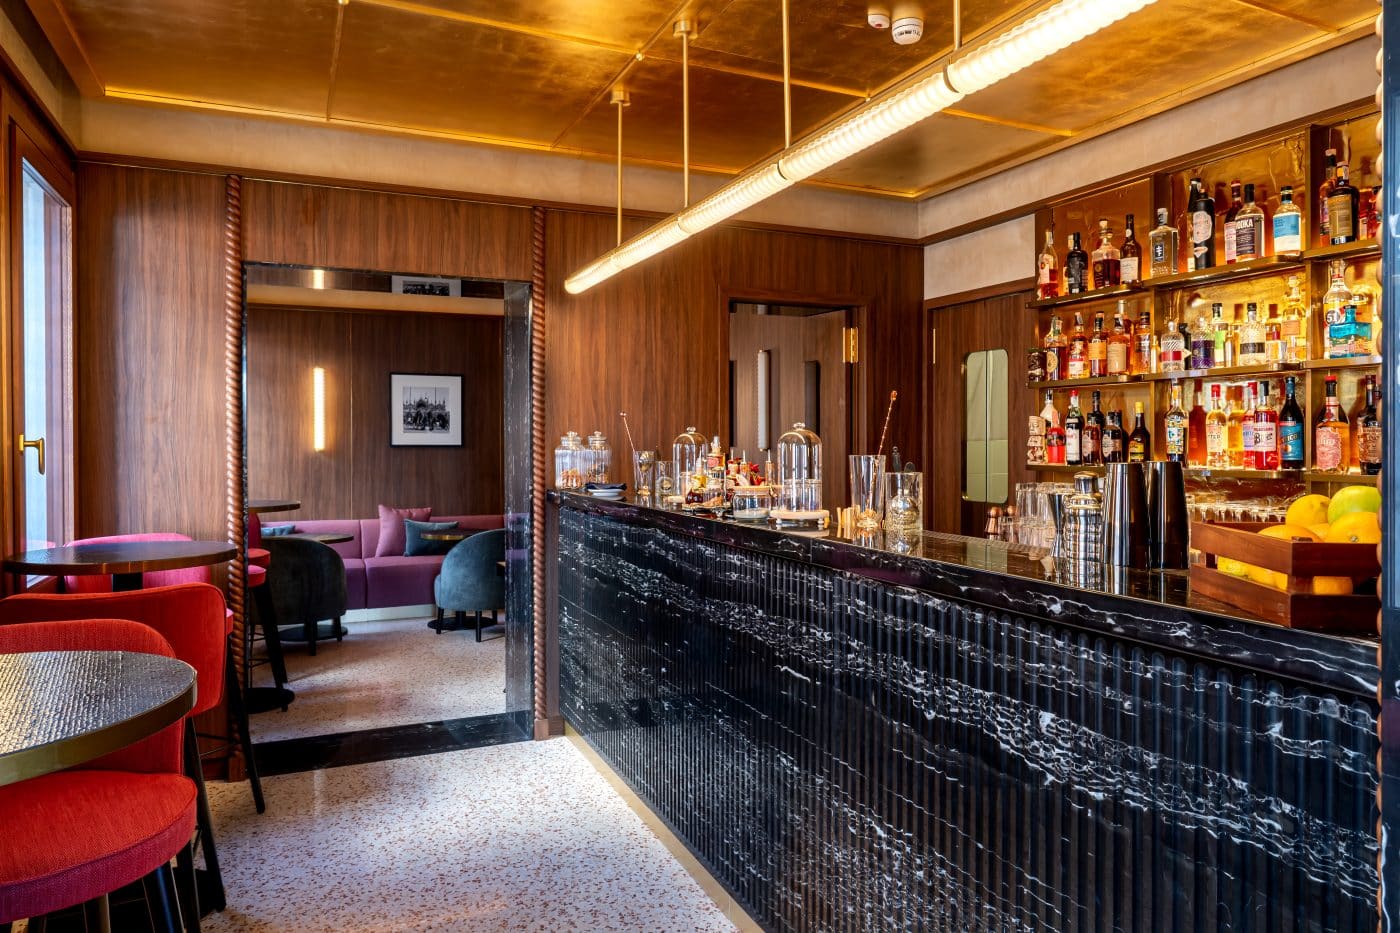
<point>644,474</point>
<point>663,483</point>
<point>867,489</point>
<point>904,501</point>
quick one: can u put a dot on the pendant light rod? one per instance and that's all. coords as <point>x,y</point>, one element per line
<point>787,80</point>
<point>935,89</point>
<point>684,28</point>
<point>957,25</point>
<point>620,100</point>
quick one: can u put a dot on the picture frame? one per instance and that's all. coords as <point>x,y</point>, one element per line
<point>431,285</point>
<point>425,410</point>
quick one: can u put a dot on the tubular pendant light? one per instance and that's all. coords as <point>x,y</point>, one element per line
<point>318,409</point>
<point>1044,34</point>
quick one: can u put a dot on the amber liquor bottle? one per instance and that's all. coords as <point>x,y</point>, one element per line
<point>1265,431</point>
<point>1098,349</point>
<point>1119,345</point>
<point>1196,430</point>
<point>1332,436</point>
<point>1115,442</point>
<point>1140,441</point>
<point>1094,425</point>
<point>1107,259</point>
<point>1343,209</point>
<point>1077,358</point>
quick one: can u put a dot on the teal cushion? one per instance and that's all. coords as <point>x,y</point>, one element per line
<point>416,546</point>
<point>277,531</point>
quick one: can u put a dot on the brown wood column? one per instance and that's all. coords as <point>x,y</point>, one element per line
<point>539,452</point>
<point>234,516</point>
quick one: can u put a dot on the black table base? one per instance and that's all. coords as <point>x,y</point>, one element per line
<point>325,631</point>
<point>266,699</point>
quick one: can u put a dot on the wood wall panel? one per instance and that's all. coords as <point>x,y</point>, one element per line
<point>359,470</point>
<point>283,223</point>
<point>149,351</point>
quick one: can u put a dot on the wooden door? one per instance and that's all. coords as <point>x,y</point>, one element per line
<point>954,332</point>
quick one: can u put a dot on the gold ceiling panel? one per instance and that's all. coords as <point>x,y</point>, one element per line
<point>249,53</point>
<point>626,24</point>
<point>397,69</point>
<point>734,119</point>
<point>1333,14</point>
<point>1157,52</point>
<point>938,150</point>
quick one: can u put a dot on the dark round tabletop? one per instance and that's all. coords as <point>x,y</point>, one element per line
<point>119,557</point>
<point>458,535</point>
<point>262,506</point>
<point>325,537</point>
<point>62,708</point>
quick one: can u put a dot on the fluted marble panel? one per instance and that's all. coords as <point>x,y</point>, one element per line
<point>846,753</point>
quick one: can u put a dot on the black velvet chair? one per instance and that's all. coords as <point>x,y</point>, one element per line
<point>307,583</point>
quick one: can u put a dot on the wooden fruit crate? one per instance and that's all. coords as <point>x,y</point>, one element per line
<point>1297,606</point>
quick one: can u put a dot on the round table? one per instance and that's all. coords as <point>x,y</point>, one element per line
<point>62,708</point>
<point>323,537</point>
<point>263,506</point>
<point>126,561</point>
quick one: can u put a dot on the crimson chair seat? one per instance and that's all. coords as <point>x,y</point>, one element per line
<point>259,557</point>
<point>257,575</point>
<point>75,835</point>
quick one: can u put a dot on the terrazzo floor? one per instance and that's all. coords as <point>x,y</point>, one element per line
<point>386,673</point>
<point>521,837</point>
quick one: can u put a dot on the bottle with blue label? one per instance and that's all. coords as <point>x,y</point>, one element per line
<point>1291,425</point>
<point>1288,225</point>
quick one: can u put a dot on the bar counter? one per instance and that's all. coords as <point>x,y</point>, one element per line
<point>950,733</point>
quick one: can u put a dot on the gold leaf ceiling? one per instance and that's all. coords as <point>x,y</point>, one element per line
<point>537,74</point>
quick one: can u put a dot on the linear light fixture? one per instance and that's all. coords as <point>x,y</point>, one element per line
<point>1044,34</point>
<point>318,409</point>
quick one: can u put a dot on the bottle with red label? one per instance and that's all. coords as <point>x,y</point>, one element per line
<point>1332,435</point>
<point>1265,431</point>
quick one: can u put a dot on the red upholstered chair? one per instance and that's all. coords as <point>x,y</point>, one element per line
<point>192,618</point>
<point>98,583</point>
<point>75,835</point>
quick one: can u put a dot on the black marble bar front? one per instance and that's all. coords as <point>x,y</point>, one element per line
<point>948,734</point>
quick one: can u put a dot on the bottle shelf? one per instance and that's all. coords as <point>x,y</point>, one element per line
<point>1222,372</point>
<point>1079,383</point>
<point>1343,479</point>
<point>1215,275</point>
<point>1062,468</point>
<point>1225,273</point>
<point>1098,294</point>
<point>1346,362</point>
<point>1344,251</point>
<point>1240,473</point>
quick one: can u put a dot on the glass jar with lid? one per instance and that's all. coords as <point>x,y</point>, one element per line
<point>597,460</point>
<point>568,462</point>
<point>687,456</point>
<point>799,476</point>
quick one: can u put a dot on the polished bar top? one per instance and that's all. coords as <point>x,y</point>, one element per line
<point>1152,608</point>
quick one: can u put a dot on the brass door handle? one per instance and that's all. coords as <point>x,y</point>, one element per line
<point>37,444</point>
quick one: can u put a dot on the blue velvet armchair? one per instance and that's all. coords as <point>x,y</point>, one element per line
<point>470,580</point>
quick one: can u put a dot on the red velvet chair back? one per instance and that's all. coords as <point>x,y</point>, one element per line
<point>161,752</point>
<point>98,583</point>
<point>190,617</point>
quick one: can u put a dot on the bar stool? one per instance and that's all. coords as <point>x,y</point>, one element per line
<point>259,560</point>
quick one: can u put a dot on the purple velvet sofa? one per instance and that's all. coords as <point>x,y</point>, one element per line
<point>378,582</point>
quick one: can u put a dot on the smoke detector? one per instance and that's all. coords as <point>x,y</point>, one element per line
<point>908,24</point>
<point>878,16</point>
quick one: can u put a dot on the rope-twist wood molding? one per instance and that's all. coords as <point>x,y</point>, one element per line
<point>1380,616</point>
<point>233,435</point>
<point>538,453</point>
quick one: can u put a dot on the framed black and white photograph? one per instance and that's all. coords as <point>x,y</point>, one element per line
<point>436,286</point>
<point>425,410</point>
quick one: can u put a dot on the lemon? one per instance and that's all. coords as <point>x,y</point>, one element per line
<point>1356,528</point>
<point>1354,499</point>
<point>1320,531</point>
<point>1289,532</point>
<point>1332,586</point>
<point>1235,568</point>
<point>1309,510</point>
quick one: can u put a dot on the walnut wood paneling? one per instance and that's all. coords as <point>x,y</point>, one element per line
<point>283,223</point>
<point>358,469</point>
<point>149,329</point>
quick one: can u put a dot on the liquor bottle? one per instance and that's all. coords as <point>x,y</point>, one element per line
<point>1107,259</point>
<point>1164,242</point>
<point>1184,329</point>
<point>1334,312</point>
<point>1202,344</point>
<point>1202,211</point>
<point>1253,351</point>
<point>1343,209</point>
<point>1368,433</point>
<point>1130,264</point>
<point>1329,178</point>
<point>1056,350</point>
<point>1119,344</point>
<point>1098,349</point>
<point>1290,428</point>
<point>1054,432</point>
<point>1076,267</point>
<point>1288,226</point>
<point>1231,212</point>
<point>1091,441</point>
<point>1234,427</point>
<point>1114,441</point>
<point>1222,349</point>
<point>1370,226</point>
<point>1217,432</point>
<point>1074,431</point>
<point>1143,362</point>
<point>1077,357</point>
<point>1048,269</point>
<point>1247,458</point>
<point>1265,431</point>
<point>1332,437</point>
<point>1172,353</point>
<point>1178,427</point>
<point>1196,430</point>
<point>1140,441</point>
<point>1249,229</point>
<point>1293,330</point>
<point>1273,336</point>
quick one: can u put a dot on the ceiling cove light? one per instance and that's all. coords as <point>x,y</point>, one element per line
<point>1044,34</point>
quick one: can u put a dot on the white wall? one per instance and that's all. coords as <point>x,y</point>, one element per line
<point>984,257</point>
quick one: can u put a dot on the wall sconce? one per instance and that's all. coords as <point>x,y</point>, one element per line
<point>318,409</point>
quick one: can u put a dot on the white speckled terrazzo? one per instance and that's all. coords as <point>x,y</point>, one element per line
<point>386,673</point>
<point>521,837</point>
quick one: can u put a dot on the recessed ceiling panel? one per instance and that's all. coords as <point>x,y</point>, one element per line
<point>1334,14</point>
<point>404,69</point>
<point>734,119</point>
<point>629,24</point>
<point>1156,52</point>
<point>937,150</point>
<point>250,53</point>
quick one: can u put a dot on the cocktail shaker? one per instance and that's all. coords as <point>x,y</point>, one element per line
<point>1127,534</point>
<point>1083,522</point>
<point>1170,527</point>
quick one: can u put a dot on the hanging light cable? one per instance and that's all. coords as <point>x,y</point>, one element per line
<point>621,100</point>
<point>899,108</point>
<point>683,28</point>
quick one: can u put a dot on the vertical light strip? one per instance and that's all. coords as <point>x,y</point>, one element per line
<point>318,409</point>
<point>763,400</point>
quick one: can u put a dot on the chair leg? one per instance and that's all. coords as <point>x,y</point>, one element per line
<point>478,625</point>
<point>310,628</point>
<point>245,738</point>
<point>203,820</point>
<point>97,915</point>
<point>159,900</point>
<point>438,625</point>
<point>187,889</point>
<point>272,637</point>
<point>339,630</point>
